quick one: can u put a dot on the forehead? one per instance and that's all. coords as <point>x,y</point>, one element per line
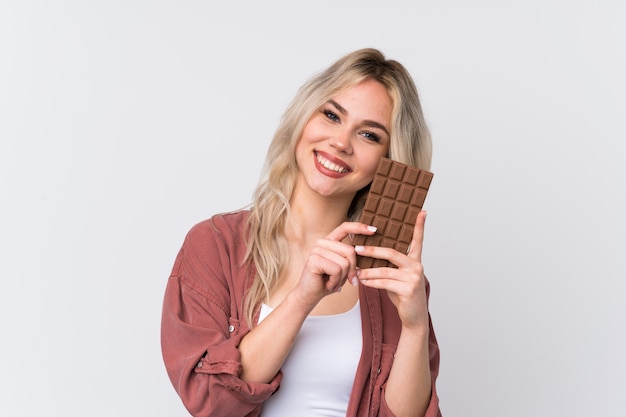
<point>367,99</point>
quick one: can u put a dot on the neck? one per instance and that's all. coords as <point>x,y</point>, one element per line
<point>314,216</point>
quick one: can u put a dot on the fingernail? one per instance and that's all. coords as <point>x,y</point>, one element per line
<point>359,248</point>
<point>372,228</point>
<point>354,281</point>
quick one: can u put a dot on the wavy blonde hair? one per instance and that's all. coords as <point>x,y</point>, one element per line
<point>410,143</point>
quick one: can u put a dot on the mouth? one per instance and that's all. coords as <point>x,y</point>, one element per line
<point>330,165</point>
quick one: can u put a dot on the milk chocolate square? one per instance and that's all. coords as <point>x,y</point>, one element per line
<point>396,195</point>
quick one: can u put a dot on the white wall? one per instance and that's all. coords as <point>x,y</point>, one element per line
<point>123,123</point>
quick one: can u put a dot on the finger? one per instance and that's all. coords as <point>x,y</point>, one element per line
<point>389,285</point>
<point>380,252</point>
<point>326,272</point>
<point>417,242</point>
<point>400,260</point>
<point>344,250</point>
<point>383,279</point>
<point>391,279</point>
<point>347,228</point>
<point>333,266</point>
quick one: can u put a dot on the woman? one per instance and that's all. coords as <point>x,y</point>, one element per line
<point>265,312</point>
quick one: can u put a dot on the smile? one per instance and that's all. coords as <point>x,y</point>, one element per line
<point>329,165</point>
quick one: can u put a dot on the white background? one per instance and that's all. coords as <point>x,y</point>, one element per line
<point>123,123</point>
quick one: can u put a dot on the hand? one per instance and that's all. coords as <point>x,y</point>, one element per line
<point>330,264</point>
<point>405,285</point>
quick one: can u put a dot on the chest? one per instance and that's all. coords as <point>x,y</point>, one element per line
<point>319,372</point>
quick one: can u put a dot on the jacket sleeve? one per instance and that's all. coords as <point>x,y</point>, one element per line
<point>199,339</point>
<point>433,409</point>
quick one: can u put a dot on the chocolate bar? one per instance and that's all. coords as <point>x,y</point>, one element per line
<point>396,196</point>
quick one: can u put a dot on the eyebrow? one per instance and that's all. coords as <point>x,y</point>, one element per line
<point>370,123</point>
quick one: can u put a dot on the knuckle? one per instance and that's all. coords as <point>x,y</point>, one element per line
<point>334,269</point>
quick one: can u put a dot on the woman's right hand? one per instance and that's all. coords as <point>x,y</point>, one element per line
<point>330,264</point>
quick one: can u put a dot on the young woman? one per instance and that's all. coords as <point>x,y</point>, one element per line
<point>265,312</point>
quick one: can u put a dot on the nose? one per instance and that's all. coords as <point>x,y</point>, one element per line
<point>342,142</point>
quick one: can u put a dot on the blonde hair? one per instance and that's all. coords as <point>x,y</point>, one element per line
<point>410,143</point>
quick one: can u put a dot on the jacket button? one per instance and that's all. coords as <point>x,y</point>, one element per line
<point>231,328</point>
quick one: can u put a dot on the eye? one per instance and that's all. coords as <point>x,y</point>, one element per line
<point>330,115</point>
<point>371,136</point>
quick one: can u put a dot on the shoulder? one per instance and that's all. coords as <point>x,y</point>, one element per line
<point>213,253</point>
<point>229,227</point>
<point>218,240</point>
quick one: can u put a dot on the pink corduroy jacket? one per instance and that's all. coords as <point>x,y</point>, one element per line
<point>203,323</point>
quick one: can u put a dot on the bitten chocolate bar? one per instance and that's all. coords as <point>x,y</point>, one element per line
<point>395,198</point>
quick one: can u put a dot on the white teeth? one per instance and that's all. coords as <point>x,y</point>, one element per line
<point>329,165</point>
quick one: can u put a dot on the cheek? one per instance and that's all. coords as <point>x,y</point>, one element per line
<point>304,146</point>
<point>372,164</point>
<point>298,151</point>
<point>369,169</point>
<point>375,159</point>
<point>311,125</point>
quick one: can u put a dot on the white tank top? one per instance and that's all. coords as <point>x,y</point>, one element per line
<point>319,372</point>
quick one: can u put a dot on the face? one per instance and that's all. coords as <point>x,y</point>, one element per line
<point>342,143</point>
